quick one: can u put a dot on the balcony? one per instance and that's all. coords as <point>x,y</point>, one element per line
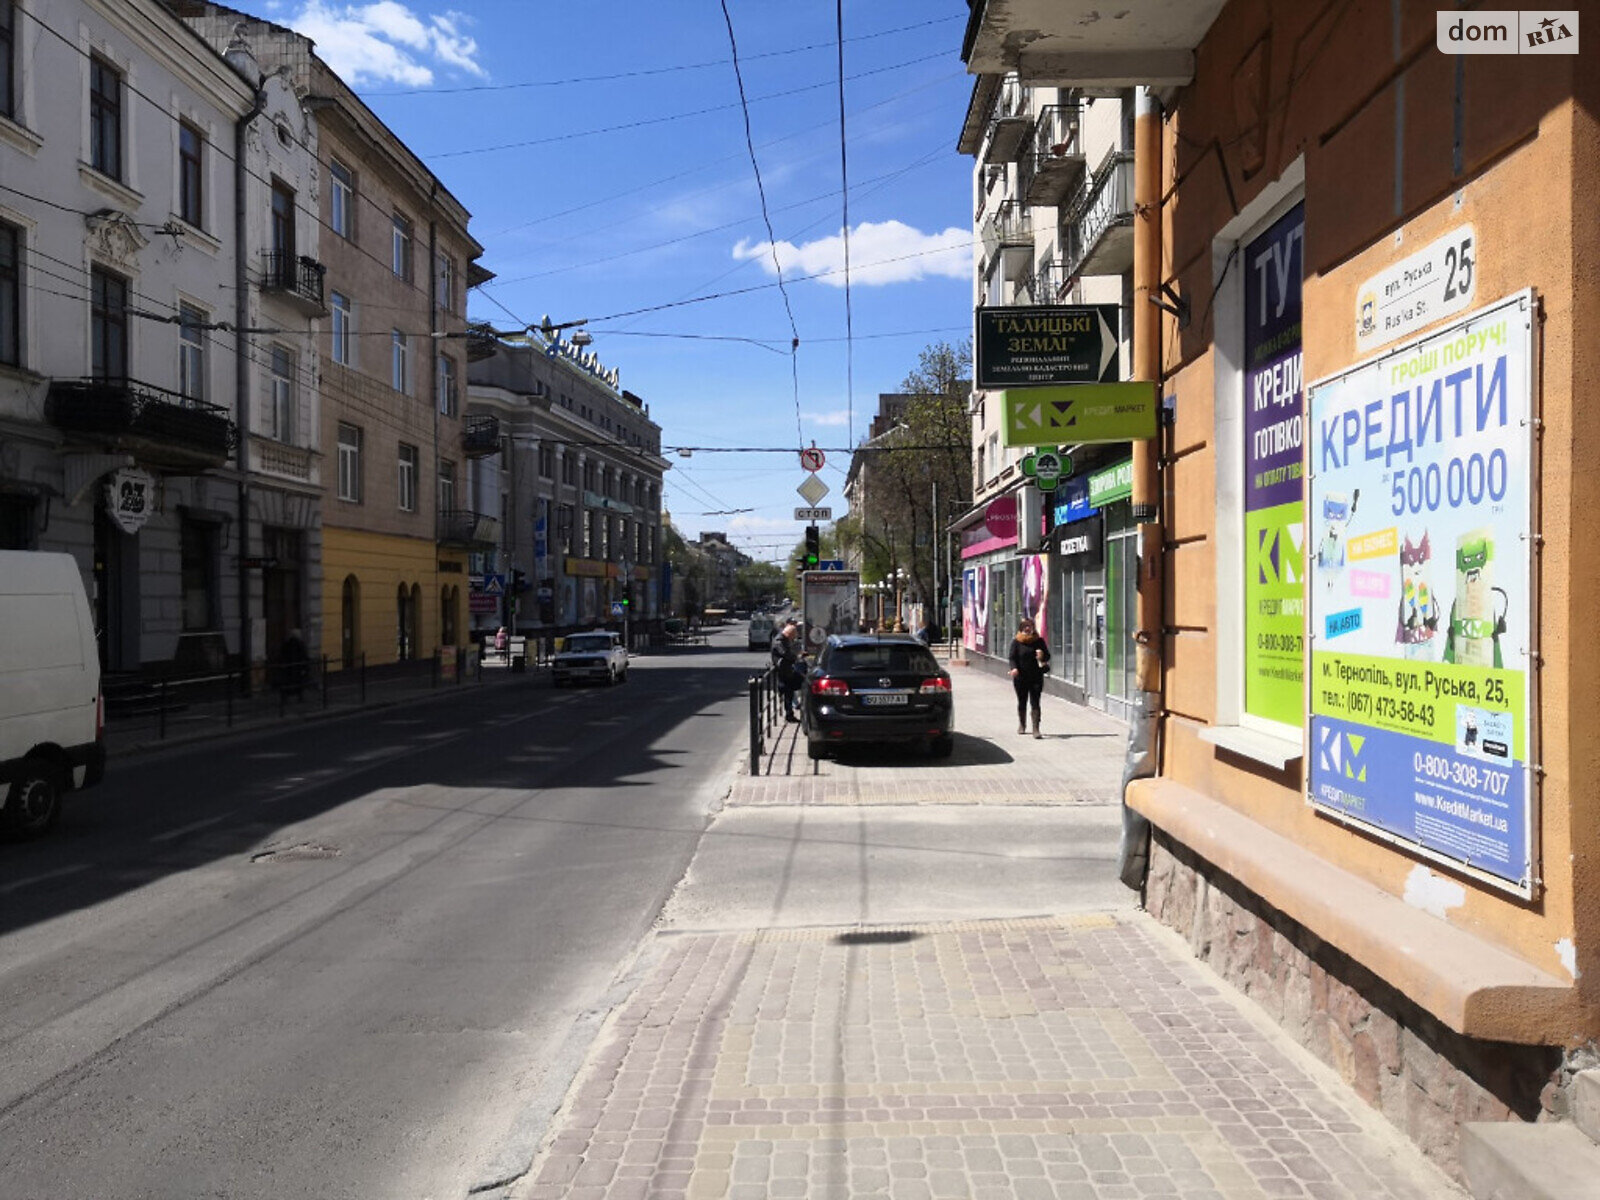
<point>1008,124</point>
<point>467,530</point>
<point>481,341</point>
<point>1047,283</point>
<point>1069,43</point>
<point>1008,235</point>
<point>1098,228</point>
<point>297,280</point>
<point>480,435</point>
<point>1054,168</point>
<point>160,428</point>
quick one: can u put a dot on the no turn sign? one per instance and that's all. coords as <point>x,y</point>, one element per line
<point>811,458</point>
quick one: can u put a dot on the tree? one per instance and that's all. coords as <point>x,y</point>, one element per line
<point>691,574</point>
<point>931,448</point>
<point>757,583</point>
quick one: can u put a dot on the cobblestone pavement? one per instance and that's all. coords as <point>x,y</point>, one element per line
<point>1045,1057</point>
<point>1077,761</point>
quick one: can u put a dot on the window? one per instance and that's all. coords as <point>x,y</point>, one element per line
<point>547,461</point>
<point>197,552</point>
<point>402,247</point>
<point>105,118</point>
<point>569,471</point>
<point>108,326</point>
<point>191,352</point>
<point>343,329</point>
<point>342,198</point>
<point>447,386</point>
<point>8,45</point>
<point>408,478</point>
<point>10,290</point>
<point>349,463</point>
<point>283,233</point>
<point>588,477</point>
<point>447,283</point>
<point>282,398</point>
<point>190,184</point>
<point>400,362</point>
<point>447,486</point>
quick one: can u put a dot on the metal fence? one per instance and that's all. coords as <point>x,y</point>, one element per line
<point>766,711</point>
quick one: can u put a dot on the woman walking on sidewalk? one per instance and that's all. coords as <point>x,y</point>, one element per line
<point>1030,659</point>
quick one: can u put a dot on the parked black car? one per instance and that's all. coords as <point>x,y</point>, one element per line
<point>877,688</point>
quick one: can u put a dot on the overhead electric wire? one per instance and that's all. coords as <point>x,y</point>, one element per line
<point>670,117</point>
<point>766,217</point>
<point>844,191</point>
<point>649,71</point>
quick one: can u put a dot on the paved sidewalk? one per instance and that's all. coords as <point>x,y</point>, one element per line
<point>1078,760</point>
<point>1073,1057</point>
<point>781,1038</point>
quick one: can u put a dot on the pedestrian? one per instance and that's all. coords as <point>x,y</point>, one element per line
<point>501,642</point>
<point>293,665</point>
<point>920,631</point>
<point>1030,659</point>
<point>787,662</point>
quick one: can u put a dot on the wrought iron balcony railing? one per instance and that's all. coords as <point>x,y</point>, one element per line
<point>1054,166</point>
<point>1098,229</point>
<point>297,278</point>
<point>162,427</point>
<point>480,435</point>
<point>1008,126</point>
<point>470,530</point>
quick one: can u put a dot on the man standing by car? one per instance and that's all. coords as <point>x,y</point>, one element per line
<point>786,662</point>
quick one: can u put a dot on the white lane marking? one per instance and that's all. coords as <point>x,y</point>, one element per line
<point>189,828</point>
<point>16,885</point>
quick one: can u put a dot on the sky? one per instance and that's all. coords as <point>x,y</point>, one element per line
<point>603,152</point>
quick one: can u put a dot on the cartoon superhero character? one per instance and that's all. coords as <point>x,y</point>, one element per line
<point>1337,509</point>
<point>1419,611</point>
<point>1475,627</point>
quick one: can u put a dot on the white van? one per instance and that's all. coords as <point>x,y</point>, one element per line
<point>51,717</point>
<point>762,631</point>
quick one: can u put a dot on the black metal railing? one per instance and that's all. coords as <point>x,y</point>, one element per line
<point>480,435</point>
<point>120,409</point>
<point>463,527</point>
<point>297,275</point>
<point>481,341</point>
<point>766,708</point>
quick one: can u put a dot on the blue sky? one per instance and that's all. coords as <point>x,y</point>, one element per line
<point>601,148</point>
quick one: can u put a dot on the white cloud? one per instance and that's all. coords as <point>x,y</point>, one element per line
<point>386,42</point>
<point>881,253</point>
<point>839,416</point>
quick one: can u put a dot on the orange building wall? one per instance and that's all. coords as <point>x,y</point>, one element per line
<point>1275,81</point>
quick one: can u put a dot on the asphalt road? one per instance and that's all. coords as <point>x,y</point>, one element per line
<point>356,958</point>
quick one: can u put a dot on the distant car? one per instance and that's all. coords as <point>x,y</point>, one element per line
<point>599,656</point>
<point>870,688</point>
<point>762,631</point>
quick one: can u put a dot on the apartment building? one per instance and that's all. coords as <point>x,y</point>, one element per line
<point>393,261</point>
<point>576,481</point>
<point>1053,224</point>
<point>120,406</point>
<point>1364,776</point>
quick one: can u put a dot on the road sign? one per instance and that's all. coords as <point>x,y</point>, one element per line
<point>813,490</point>
<point>812,459</point>
<point>813,514</point>
<point>616,608</point>
<point>1047,344</point>
<point>494,585</point>
<point>831,564</point>
<point>1080,413</point>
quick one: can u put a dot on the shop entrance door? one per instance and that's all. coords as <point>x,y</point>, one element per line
<point>1094,647</point>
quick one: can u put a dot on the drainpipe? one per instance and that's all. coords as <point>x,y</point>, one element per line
<point>434,349</point>
<point>1133,854</point>
<point>241,364</point>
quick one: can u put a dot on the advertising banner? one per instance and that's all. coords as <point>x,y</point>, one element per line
<point>1274,507</point>
<point>1421,596</point>
<point>975,608</point>
<point>1046,344</point>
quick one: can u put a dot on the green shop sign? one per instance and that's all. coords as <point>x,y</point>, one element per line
<point>1114,483</point>
<point>1079,413</point>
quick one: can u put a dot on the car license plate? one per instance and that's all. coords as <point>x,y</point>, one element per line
<point>885,698</point>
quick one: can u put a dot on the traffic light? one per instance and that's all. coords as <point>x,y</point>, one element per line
<point>519,580</point>
<point>813,547</point>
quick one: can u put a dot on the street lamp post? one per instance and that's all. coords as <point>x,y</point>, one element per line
<point>900,578</point>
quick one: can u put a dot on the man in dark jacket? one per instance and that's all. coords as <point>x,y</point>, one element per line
<point>786,660</point>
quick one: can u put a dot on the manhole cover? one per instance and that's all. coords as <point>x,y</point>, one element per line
<point>302,852</point>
